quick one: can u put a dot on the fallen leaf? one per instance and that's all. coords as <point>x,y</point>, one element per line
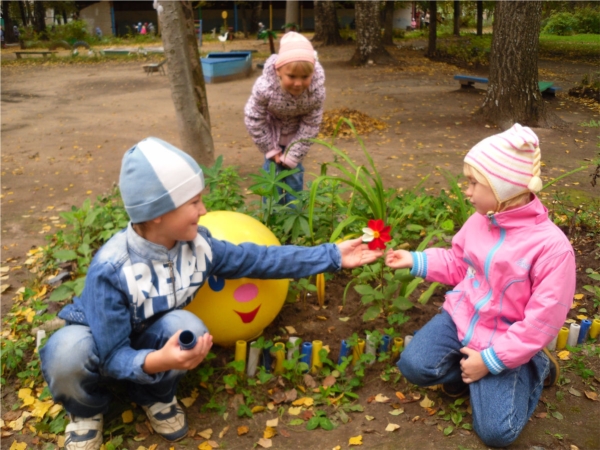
<point>591,395</point>
<point>356,440</point>
<point>294,411</point>
<point>223,432</point>
<point>304,401</point>
<point>291,330</point>
<point>541,415</point>
<point>269,433</point>
<point>257,409</point>
<point>574,392</point>
<point>242,430</point>
<point>578,296</point>
<point>206,434</point>
<point>564,355</point>
<point>265,443</point>
<point>273,422</point>
<point>392,427</point>
<point>380,398</point>
<point>369,418</point>
<point>18,446</point>
<point>427,403</point>
<point>397,412</point>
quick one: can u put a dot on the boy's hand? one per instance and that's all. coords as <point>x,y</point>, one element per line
<point>473,368</point>
<point>399,259</point>
<point>171,357</point>
<point>355,253</point>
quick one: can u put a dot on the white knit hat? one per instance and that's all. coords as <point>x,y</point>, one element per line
<point>294,47</point>
<point>157,177</point>
<point>510,162</point>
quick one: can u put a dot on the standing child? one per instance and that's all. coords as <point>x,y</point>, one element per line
<point>514,277</point>
<point>126,324</point>
<point>287,105</point>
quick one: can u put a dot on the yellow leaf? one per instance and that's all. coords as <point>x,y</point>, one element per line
<point>426,403</point>
<point>206,434</point>
<point>127,416</point>
<point>578,296</point>
<point>306,401</point>
<point>564,355</point>
<point>55,410</point>
<point>188,401</point>
<point>269,432</point>
<point>356,440</point>
<point>205,446</point>
<point>257,409</point>
<point>582,317</point>
<point>337,447</point>
<point>591,395</point>
<point>380,398</point>
<point>369,418</point>
<point>41,408</point>
<point>291,330</point>
<point>344,319</point>
<point>242,430</point>
<point>273,422</point>
<point>18,446</point>
<point>223,431</point>
<point>294,411</point>
<point>321,317</point>
<point>392,427</point>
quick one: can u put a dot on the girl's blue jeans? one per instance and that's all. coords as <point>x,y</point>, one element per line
<point>295,181</point>
<point>71,367</point>
<point>501,404</point>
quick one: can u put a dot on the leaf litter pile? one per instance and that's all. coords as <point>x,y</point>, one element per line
<point>363,123</point>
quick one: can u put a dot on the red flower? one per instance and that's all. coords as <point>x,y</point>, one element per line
<point>376,235</point>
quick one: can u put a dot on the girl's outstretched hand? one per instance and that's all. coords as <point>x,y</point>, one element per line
<point>355,253</point>
<point>398,259</point>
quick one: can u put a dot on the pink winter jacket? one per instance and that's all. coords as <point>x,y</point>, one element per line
<point>272,112</point>
<point>514,278</point>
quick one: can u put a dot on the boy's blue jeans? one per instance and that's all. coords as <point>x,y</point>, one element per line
<point>502,404</point>
<point>295,181</point>
<point>71,369</point>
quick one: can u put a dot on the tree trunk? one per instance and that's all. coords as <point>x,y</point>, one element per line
<point>9,35</point>
<point>479,17</point>
<point>327,28</point>
<point>388,23</point>
<point>513,94</point>
<point>431,49</point>
<point>187,80</point>
<point>292,10</point>
<point>40,17</point>
<point>369,44</point>
<point>23,10</point>
<point>255,16</point>
<point>456,18</point>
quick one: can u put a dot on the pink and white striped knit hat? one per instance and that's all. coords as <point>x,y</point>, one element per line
<point>294,47</point>
<point>509,161</point>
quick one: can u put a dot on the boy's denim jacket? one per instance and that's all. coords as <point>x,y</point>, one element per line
<point>132,281</point>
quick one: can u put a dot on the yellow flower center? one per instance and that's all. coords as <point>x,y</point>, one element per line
<point>376,234</point>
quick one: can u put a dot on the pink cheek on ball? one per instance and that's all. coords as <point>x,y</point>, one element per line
<point>246,293</point>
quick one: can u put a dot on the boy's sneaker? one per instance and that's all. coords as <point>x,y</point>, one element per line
<point>168,420</point>
<point>552,377</point>
<point>455,390</point>
<point>84,434</point>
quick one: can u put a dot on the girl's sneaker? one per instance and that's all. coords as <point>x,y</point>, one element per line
<point>552,377</point>
<point>455,390</point>
<point>168,420</point>
<point>84,434</point>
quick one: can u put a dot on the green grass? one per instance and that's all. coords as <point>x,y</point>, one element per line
<point>578,46</point>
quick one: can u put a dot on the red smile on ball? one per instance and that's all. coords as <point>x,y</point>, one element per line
<point>249,316</point>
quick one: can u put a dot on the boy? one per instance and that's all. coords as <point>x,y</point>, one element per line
<point>126,324</point>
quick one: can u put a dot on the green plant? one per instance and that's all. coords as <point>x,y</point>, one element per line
<point>594,289</point>
<point>225,193</point>
<point>456,415</point>
<point>319,420</point>
<point>266,185</point>
<point>579,362</point>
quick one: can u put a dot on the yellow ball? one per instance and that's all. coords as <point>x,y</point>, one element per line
<point>240,309</point>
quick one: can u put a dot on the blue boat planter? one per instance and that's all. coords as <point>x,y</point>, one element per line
<point>220,67</point>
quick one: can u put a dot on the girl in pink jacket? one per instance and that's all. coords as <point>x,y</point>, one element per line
<point>286,105</point>
<point>513,273</point>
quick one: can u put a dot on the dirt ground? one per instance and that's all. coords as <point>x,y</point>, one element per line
<point>66,127</point>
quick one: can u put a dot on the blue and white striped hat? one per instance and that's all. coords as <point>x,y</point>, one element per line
<point>156,178</point>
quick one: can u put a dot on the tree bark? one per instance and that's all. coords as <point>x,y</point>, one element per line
<point>292,11</point>
<point>369,44</point>
<point>456,18</point>
<point>431,48</point>
<point>479,17</point>
<point>23,11</point>
<point>327,28</point>
<point>187,80</point>
<point>388,23</point>
<point>9,35</point>
<point>40,17</point>
<point>513,94</point>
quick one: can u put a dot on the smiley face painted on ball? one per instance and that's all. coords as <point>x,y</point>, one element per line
<point>239,309</point>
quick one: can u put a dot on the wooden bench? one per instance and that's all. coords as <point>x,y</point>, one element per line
<point>467,81</point>
<point>155,67</point>
<point>43,53</point>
